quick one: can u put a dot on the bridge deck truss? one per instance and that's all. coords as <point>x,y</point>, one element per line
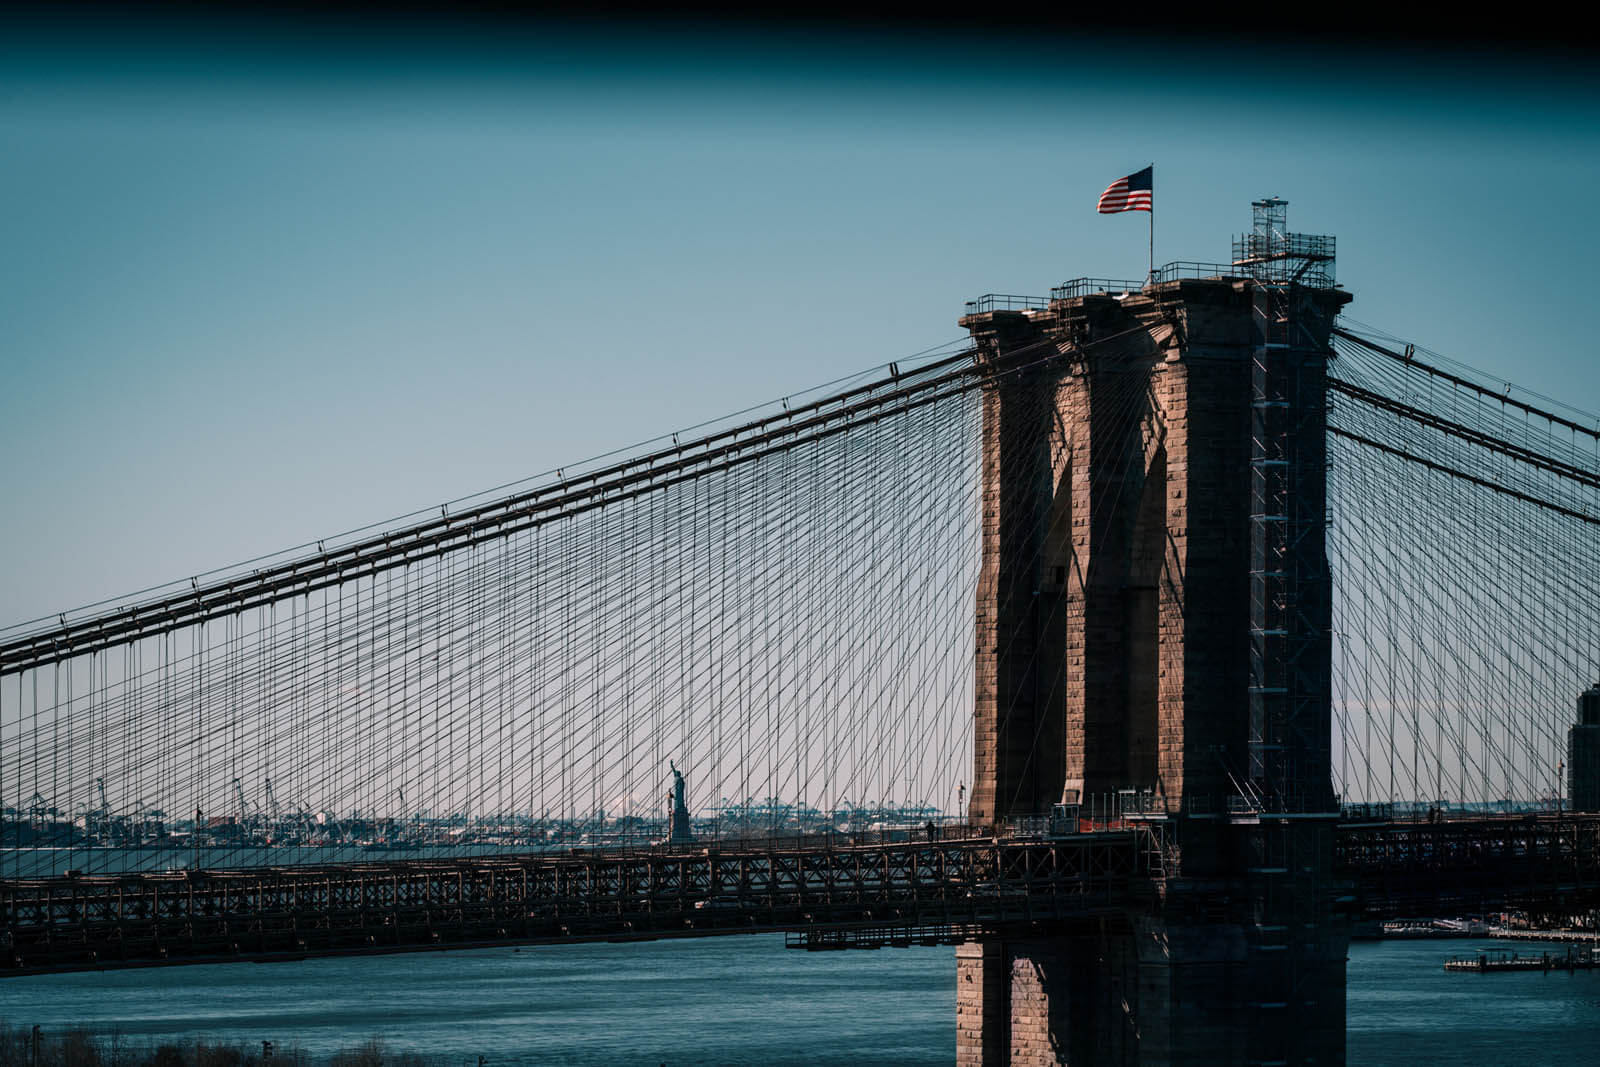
<point>86,922</point>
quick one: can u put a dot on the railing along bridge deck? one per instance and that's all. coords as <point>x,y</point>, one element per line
<point>944,888</point>
<point>831,892</point>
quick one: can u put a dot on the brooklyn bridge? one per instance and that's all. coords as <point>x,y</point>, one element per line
<point>1140,644</point>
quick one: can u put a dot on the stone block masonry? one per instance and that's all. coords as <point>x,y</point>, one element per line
<point>1113,613</point>
<point>1113,637</point>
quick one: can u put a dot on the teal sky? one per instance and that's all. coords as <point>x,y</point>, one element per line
<point>260,287</point>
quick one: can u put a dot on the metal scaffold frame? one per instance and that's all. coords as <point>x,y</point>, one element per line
<point>1289,581</point>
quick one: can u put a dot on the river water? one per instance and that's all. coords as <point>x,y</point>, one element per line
<point>742,1000</point>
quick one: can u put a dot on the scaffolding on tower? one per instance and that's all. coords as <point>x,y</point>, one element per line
<point>1290,590</point>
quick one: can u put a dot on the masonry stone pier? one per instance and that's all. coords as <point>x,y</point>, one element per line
<point>1122,546</point>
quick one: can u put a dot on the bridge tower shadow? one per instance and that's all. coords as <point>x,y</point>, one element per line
<point>1152,646</point>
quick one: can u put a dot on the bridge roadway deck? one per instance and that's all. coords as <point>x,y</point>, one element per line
<point>830,892</point>
<point>1547,865</point>
<point>945,888</point>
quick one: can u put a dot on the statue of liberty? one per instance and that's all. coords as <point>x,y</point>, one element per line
<point>678,810</point>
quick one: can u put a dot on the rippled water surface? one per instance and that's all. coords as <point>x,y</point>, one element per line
<point>1403,1008</point>
<point>741,1000</point>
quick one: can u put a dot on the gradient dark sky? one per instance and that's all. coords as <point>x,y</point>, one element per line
<point>266,281</point>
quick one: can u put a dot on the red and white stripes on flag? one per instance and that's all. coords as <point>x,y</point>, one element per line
<point>1133,193</point>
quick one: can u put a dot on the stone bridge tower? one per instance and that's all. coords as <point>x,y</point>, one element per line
<point>1152,637</point>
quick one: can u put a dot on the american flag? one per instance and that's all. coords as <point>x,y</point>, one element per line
<point>1129,194</point>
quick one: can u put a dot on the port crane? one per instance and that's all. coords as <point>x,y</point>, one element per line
<point>274,810</point>
<point>274,813</point>
<point>245,828</point>
<point>98,820</point>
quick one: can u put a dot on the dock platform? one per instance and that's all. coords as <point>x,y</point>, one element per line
<point>1492,962</point>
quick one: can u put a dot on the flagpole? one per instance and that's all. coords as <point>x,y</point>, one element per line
<point>1152,275</point>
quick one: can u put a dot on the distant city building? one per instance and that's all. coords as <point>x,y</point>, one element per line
<point>1583,753</point>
